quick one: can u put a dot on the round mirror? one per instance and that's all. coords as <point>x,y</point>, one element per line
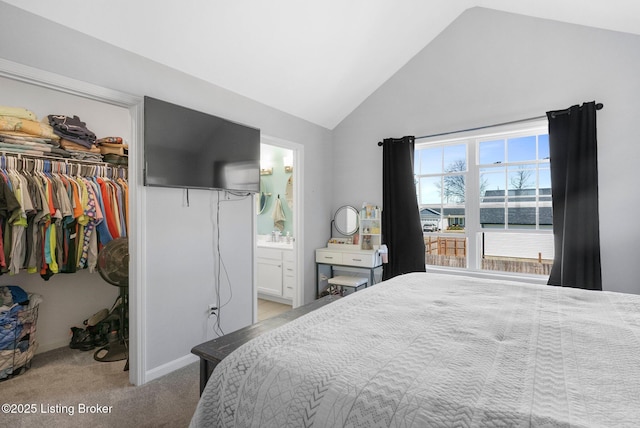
<point>262,197</point>
<point>346,220</point>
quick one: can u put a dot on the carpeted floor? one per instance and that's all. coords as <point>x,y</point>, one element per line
<point>68,388</point>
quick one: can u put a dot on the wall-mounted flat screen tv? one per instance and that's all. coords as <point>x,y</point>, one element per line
<point>186,148</point>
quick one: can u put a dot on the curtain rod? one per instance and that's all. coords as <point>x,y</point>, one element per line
<point>599,106</point>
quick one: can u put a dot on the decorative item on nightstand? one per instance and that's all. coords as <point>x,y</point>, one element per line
<point>370,226</point>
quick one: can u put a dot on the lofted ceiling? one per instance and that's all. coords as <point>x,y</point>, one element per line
<point>317,60</point>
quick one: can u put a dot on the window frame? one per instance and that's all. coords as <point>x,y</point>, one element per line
<point>473,229</point>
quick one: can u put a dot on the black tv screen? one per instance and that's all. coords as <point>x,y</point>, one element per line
<point>186,148</point>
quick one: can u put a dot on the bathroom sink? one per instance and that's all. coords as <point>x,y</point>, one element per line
<point>278,245</point>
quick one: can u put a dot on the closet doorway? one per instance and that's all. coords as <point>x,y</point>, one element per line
<point>281,181</point>
<point>72,298</point>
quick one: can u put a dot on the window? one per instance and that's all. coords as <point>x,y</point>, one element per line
<point>485,200</point>
<point>441,171</point>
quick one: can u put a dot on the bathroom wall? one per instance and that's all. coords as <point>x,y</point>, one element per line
<point>276,185</point>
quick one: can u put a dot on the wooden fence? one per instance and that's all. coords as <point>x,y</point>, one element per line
<point>452,252</point>
<point>506,264</point>
<point>445,246</point>
<point>445,251</point>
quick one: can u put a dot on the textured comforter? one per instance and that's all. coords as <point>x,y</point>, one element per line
<point>427,350</point>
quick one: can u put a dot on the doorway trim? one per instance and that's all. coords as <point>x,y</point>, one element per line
<point>298,218</point>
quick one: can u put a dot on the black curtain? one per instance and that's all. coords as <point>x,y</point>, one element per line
<point>401,230</point>
<point>574,188</point>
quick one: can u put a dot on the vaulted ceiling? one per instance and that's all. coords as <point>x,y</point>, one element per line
<point>317,60</point>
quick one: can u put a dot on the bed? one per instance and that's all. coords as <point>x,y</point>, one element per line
<point>423,350</point>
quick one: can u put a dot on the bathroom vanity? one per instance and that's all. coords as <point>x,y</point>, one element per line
<point>276,273</point>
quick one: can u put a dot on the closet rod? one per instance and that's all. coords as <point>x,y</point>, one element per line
<point>599,106</point>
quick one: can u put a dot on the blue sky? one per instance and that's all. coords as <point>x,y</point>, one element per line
<point>493,156</point>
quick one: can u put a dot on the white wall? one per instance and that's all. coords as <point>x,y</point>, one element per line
<point>179,283</point>
<point>182,278</point>
<point>490,67</point>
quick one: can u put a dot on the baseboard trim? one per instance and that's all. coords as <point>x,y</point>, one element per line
<point>169,367</point>
<point>50,346</point>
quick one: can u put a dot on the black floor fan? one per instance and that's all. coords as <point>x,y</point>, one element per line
<point>113,266</point>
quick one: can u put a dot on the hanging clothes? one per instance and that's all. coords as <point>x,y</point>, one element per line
<point>8,204</point>
<point>52,220</point>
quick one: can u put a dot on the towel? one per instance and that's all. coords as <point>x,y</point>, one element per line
<point>278,215</point>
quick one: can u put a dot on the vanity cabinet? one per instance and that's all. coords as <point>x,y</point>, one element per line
<point>335,258</point>
<point>276,272</point>
<point>356,258</point>
<point>270,271</point>
<point>288,274</point>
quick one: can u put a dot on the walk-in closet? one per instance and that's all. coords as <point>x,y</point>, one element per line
<point>70,287</point>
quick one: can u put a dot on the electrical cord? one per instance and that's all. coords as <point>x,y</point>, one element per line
<point>218,262</point>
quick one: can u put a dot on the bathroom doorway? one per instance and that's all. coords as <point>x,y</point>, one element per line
<point>280,219</point>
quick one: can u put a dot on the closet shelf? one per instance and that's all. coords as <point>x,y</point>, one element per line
<point>63,164</point>
<point>58,159</point>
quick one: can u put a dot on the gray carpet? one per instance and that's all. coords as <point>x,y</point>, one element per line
<point>61,381</point>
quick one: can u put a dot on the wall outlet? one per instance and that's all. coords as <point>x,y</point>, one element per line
<point>213,310</point>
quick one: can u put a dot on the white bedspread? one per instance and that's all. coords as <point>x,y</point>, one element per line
<point>428,350</point>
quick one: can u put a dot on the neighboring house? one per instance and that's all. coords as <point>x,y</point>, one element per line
<point>432,221</point>
<point>521,216</point>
